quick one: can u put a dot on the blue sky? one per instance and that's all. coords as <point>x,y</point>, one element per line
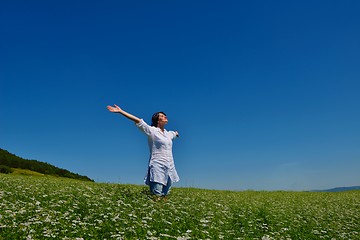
<point>265,94</point>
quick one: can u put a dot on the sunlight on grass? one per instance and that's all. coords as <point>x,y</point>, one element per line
<point>26,172</point>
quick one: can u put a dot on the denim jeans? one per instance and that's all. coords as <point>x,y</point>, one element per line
<point>159,189</point>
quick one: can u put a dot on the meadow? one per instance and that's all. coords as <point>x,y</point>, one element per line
<point>40,207</point>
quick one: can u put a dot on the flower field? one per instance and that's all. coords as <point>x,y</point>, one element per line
<point>33,207</point>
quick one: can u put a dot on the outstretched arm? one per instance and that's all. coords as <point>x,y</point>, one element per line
<point>117,109</point>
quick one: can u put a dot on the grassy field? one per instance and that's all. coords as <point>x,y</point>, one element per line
<point>35,207</point>
<point>26,172</point>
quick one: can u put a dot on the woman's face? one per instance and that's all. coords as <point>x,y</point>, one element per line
<point>162,119</point>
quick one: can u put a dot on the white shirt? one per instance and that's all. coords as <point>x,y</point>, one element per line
<point>161,162</point>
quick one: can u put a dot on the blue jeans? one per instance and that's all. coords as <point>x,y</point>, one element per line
<point>159,189</point>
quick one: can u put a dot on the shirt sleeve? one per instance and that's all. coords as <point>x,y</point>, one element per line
<point>144,127</point>
<point>173,134</point>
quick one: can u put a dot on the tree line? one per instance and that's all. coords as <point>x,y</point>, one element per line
<point>9,160</point>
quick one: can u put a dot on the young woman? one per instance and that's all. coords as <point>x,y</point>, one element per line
<point>161,170</point>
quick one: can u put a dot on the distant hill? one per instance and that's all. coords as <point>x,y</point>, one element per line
<point>12,161</point>
<point>339,189</point>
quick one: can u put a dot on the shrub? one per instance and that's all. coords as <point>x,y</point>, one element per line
<point>5,169</point>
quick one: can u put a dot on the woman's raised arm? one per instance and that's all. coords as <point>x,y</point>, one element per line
<point>117,109</point>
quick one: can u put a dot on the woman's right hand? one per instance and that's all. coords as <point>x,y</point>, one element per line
<point>114,109</point>
<point>117,109</point>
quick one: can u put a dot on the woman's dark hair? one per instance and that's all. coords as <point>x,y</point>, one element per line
<point>155,118</point>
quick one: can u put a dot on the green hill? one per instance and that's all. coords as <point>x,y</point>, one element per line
<point>9,160</point>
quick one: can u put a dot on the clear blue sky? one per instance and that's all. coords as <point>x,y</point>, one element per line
<point>265,94</point>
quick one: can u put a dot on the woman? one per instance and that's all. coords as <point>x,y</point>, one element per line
<point>161,171</point>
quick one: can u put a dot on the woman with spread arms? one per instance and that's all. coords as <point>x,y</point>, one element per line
<point>161,170</point>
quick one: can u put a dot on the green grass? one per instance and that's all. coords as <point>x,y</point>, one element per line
<point>34,207</point>
<point>26,172</point>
